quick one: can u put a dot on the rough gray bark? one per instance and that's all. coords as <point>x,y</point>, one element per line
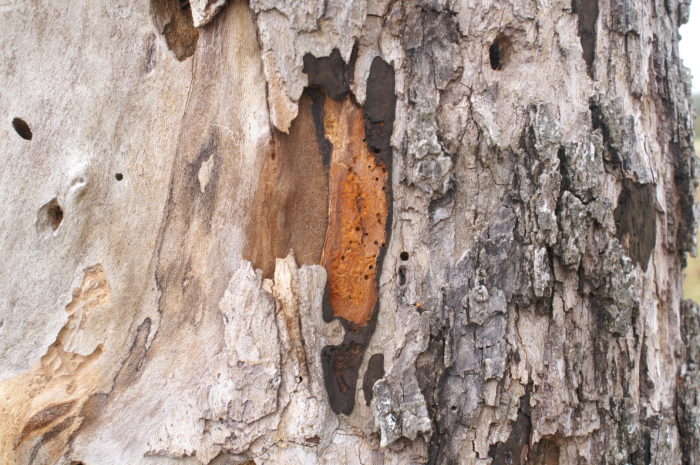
<point>503,189</point>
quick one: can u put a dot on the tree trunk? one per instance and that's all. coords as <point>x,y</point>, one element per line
<point>347,232</point>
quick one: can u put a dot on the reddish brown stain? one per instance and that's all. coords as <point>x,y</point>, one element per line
<point>44,418</point>
<point>174,21</point>
<point>357,214</point>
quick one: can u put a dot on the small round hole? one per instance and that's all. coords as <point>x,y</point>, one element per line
<point>22,128</point>
<point>118,176</point>
<point>498,52</point>
<point>50,216</point>
<point>403,256</point>
<point>366,276</point>
<point>56,215</point>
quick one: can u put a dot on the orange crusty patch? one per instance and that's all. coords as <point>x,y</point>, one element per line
<point>357,214</point>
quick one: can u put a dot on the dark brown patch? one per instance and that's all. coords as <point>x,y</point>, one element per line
<point>130,371</point>
<point>352,286</point>
<point>545,452</point>
<point>50,216</point>
<point>54,452</point>
<point>22,128</point>
<point>498,52</point>
<point>380,111</point>
<point>175,24</point>
<point>635,220</point>
<point>291,208</point>
<point>330,73</point>
<point>375,372</point>
<point>514,450</point>
<point>44,418</point>
<point>341,365</point>
<point>587,11</point>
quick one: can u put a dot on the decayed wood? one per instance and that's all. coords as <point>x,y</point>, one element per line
<point>358,214</point>
<point>346,232</point>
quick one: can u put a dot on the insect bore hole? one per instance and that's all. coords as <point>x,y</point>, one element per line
<point>498,52</point>
<point>22,128</point>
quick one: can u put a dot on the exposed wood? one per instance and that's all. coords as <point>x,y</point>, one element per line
<point>346,232</point>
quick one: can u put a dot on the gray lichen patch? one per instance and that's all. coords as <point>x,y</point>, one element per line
<point>573,225</point>
<point>582,167</point>
<point>614,282</point>
<point>622,153</point>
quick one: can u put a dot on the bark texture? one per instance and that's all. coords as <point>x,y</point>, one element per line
<point>346,232</point>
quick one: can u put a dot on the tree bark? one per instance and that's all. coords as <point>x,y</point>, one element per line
<point>347,232</point>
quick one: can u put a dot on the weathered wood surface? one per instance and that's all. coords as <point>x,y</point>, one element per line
<point>346,232</point>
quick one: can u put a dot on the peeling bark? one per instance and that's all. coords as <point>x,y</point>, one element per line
<point>347,232</point>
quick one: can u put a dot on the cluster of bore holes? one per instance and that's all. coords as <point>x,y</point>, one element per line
<point>402,269</point>
<point>22,128</point>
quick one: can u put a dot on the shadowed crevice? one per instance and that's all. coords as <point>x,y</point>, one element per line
<point>587,11</point>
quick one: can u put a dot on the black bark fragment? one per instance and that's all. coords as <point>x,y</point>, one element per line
<point>635,220</point>
<point>341,363</point>
<point>587,11</point>
<point>341,366</point>
<point>330,73</point>
<point>511,452</point>
<point>379,108</point>
<point>375,371</point>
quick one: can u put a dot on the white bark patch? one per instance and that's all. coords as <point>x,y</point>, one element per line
<point>203,11</point>
<point>289,30</point>
<point>240,384</point>
<point>265,376</point>
<point>204,173</point>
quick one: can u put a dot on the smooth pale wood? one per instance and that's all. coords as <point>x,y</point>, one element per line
<point>151,310</point>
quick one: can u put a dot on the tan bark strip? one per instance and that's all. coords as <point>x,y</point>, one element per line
<point>290,211</point>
